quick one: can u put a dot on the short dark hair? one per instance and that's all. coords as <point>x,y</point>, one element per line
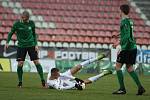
<point>26,13</point>
<point>53,70</point>
<point>125,9</point>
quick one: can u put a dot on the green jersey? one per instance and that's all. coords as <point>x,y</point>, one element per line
<point>25,32</point>
<point>127,40</point>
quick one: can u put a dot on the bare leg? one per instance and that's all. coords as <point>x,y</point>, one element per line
<point>20,63</point>
<point>97,77</point>
<point>75,69</point>
<point>118,66</point>
<point>36,62</point>
<point>129,68</point>
<point>87,81</point>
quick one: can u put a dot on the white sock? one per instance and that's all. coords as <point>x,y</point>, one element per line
<point>87,62</point>
<point>95,78</point>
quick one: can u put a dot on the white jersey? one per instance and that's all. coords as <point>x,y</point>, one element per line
<point>63,82</point>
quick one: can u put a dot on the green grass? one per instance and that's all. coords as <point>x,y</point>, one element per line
<point>100,90</point>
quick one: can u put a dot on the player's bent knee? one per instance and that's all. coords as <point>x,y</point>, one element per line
<point>118,66</point>
<point>129,68</point>
<point>20,63</point>
<point>36,62</point>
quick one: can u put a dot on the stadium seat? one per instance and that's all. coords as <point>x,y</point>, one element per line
<point>74,39</point>
<point>100,40</point>
<point>107,40</point>
<point>81,39</point>
<point>145,41</point>
<point>139,41</point>
<point>83,33</point>
<point>77,20</point>
<point>67,39</point>
<point>94,40</point>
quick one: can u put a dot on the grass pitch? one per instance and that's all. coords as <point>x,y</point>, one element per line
<point>100,90</point>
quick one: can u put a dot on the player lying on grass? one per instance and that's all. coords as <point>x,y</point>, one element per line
<point>66,80</point>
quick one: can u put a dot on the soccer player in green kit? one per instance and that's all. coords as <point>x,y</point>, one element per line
<point>27,42</point>
<point>128,51</point>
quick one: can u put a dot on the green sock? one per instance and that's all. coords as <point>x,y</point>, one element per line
<point>135,78</point>
<point>40,71</point>
<point>120,79</point>
<point>20,73</point>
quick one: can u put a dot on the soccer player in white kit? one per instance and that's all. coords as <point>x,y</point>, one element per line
<point>66,80</point>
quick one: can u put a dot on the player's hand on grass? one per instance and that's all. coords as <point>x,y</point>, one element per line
<point>5,47</point>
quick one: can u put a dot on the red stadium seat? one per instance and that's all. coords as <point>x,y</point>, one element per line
<point>87,39</point>
<point>96,33</point>
<point>139,41</point>
<point>83,33</point>
<point>107,40</point>
<point>74,39</point>
<point>81,39</point>
<point>84,20</point>
<point>5,36</point>
<point>100,40</point>
<point>44,38</point>
<point>94,40</point>
<point>76,32</point>
<point>89,33</point>
<point>67,39</point>
<point>145,41</point>
<point>69,32</point>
